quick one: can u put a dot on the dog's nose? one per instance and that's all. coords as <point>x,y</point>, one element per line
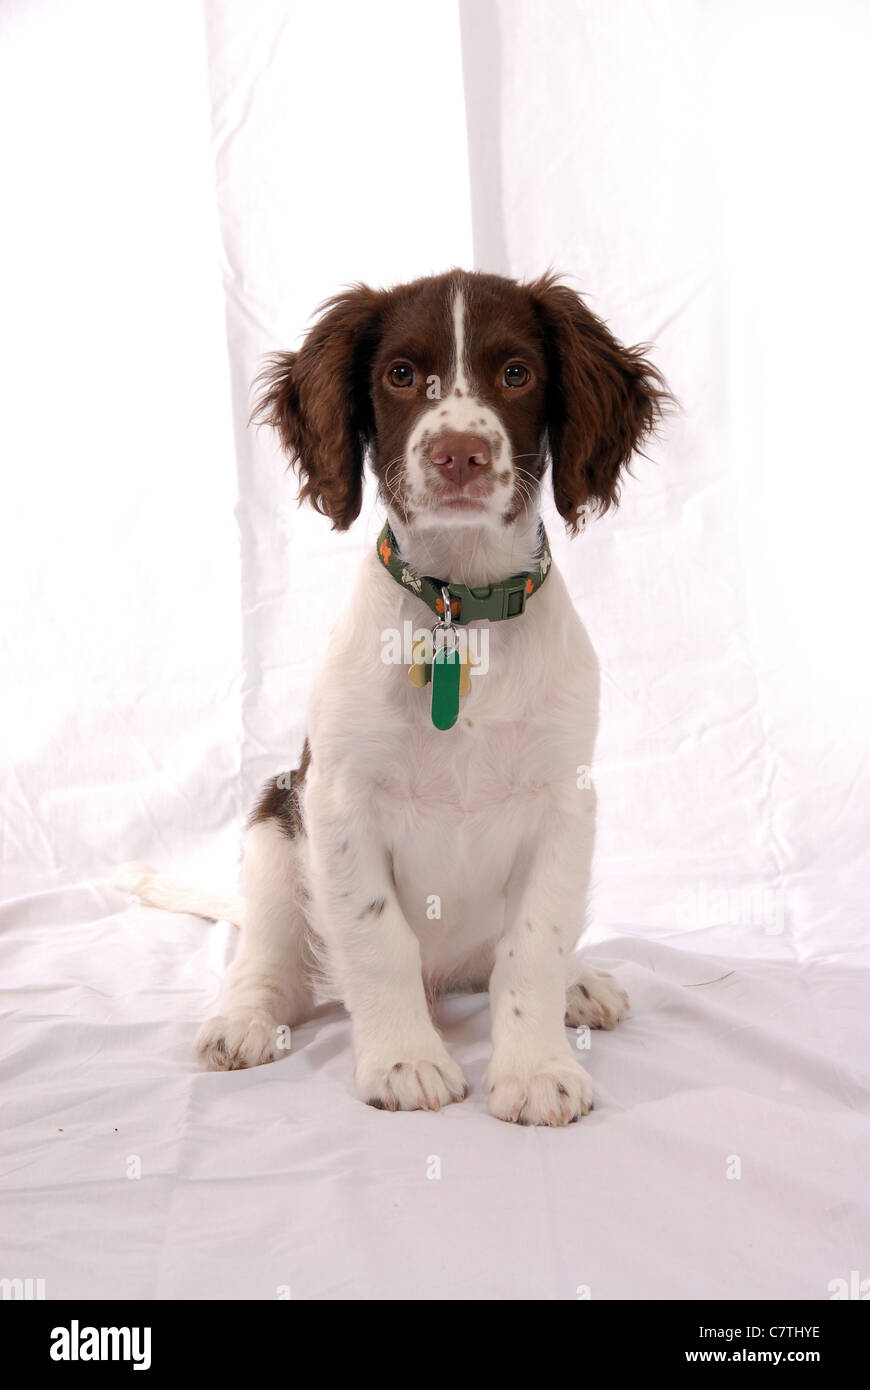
<point>460,457</point>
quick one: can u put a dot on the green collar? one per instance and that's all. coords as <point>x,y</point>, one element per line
<point>505,599</point>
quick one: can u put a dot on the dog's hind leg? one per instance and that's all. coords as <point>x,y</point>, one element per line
<point>594,999</point>
<point>270,984</point>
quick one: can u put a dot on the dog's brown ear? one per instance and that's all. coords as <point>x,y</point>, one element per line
<point>318,401</point>
<point>604,400</point>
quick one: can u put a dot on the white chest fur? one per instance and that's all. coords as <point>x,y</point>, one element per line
<point>454,811</point>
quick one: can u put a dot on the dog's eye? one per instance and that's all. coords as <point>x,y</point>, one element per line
<point>515,374</point>
<point>401,374</point>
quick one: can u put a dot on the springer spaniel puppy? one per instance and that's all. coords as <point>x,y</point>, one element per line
<point>438,832</point>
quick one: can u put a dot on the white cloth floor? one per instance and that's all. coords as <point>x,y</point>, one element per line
<point>727,1155</point>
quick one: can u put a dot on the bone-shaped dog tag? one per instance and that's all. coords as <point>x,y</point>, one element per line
<point>420,670</point>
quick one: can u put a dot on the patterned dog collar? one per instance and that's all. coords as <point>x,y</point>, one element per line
<point>495,602</point>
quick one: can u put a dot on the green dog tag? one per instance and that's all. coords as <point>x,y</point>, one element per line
<point>446,674</point>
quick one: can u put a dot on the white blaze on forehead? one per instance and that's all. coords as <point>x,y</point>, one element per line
<point>460,380</point>
<point>458,410</point>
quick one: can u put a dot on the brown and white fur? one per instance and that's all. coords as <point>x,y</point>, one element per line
<point>460,389</point>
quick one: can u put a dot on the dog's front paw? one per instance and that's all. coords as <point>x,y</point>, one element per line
<point>597,1000</point>
<point>423,1084</point>
<point>555,1093</point>
<point>238,1040</point>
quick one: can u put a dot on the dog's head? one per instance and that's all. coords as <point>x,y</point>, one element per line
<point>461,387</point>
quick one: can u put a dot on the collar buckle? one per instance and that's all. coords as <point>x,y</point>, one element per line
<point>514,599</point>
<point>493,602</point>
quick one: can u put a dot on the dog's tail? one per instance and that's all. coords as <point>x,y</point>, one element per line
<point>146,884</point>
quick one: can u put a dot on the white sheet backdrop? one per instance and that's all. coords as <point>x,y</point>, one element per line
<point>181,187</point>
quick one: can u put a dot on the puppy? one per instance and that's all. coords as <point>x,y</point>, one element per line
<point>438,832</point>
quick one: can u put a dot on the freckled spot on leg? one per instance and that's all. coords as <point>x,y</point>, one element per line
<point>398,1066</point>
<point>518,1012</point>
<point>510,955</point>
<point>374,908</point>
<point>584,991</point>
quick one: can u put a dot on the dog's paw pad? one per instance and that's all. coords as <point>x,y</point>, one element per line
<point>417,1085</point>
<point>596,1000</point>
<point>237,1041</point>
<point>552,1095</point>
